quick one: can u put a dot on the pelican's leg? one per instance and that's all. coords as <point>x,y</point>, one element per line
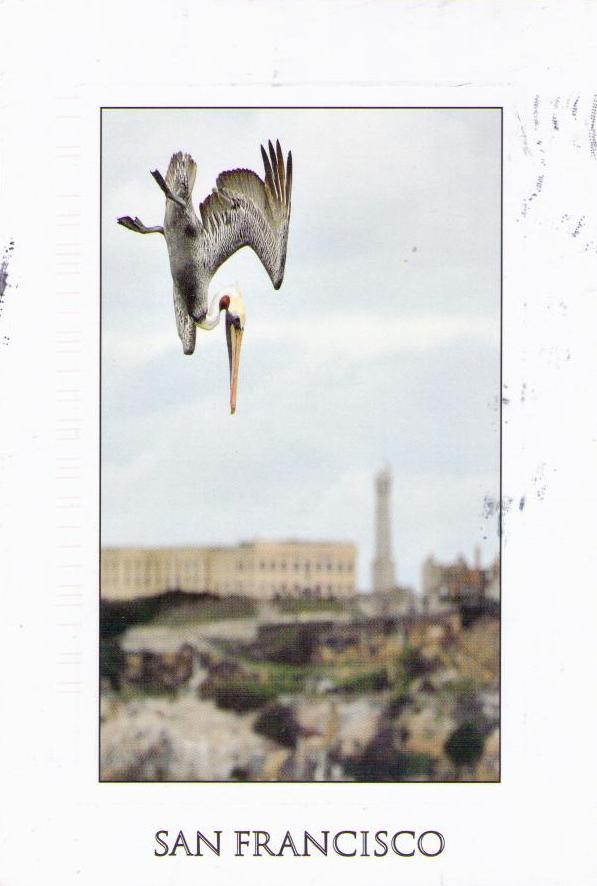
<point>135,224</point>
<point>168,191</point>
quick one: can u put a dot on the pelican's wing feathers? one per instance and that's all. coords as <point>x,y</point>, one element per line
<point>245,210</point>
<point>180,177</point>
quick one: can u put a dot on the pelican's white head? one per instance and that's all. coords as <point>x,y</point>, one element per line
<point>231,301</point>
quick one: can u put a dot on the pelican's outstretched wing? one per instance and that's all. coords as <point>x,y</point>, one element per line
<point>245,211</point>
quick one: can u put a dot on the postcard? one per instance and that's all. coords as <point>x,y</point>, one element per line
<point>250,591</point>
<point>297,450</point>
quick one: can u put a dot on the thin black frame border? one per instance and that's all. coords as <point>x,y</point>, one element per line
<point>499,108</point>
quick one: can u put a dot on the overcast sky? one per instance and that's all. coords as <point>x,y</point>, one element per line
<point>382,346</point>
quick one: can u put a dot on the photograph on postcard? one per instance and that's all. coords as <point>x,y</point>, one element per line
<point>300,537</point>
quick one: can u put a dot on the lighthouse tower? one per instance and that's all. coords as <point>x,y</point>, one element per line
<point>383,566</point>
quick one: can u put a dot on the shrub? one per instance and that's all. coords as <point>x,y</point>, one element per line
<point>295,605</point>
<point>383,764</point>
<point>242,697</point>
<point>116,617</point>
<point>465,746</point>
<point>414,664</point>
<point>372,681</point>
<point>292,644</point>
<point>278,723</point>
<point>471,611</point>
<point>397,705</point>
<point>112,661</point>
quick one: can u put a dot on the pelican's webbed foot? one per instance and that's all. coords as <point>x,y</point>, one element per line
<point>135,224</point>
<point>170,195</point>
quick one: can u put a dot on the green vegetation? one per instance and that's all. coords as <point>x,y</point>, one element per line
<point>139,691</point>
<point>292,644</point>
<point>460,687</point>
<point>115,618</point>
<point>413,664</point>
<point>380,763</point>
<point>210,609</point>
<point>170,608</point>
<point>365,683</point>
<point>397,704</point>
<point>472,612</point>
<point>295,605</point>
<point>288,679</point>
<point>241,696</point>
<point>465,746</point>
<point>111,663</point>
<point>283,679</point>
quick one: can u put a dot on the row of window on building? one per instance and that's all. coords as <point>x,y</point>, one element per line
<point>138,568</point>
<point>281,589</point>
<point>307,566</point>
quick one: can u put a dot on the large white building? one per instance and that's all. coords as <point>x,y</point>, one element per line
<point>261,569</point>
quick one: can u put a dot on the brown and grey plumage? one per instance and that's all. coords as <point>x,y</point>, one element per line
<point>243,210</point>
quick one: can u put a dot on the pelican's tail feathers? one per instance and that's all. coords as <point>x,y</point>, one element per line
<point>180,177</point>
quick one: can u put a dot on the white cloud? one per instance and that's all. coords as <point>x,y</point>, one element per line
<point>371,335</point>
<point>135,347</point>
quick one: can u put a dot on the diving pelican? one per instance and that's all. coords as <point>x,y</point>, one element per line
<point>243,210</point>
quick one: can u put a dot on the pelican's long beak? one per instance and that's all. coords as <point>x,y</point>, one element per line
<point>234,340</point>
